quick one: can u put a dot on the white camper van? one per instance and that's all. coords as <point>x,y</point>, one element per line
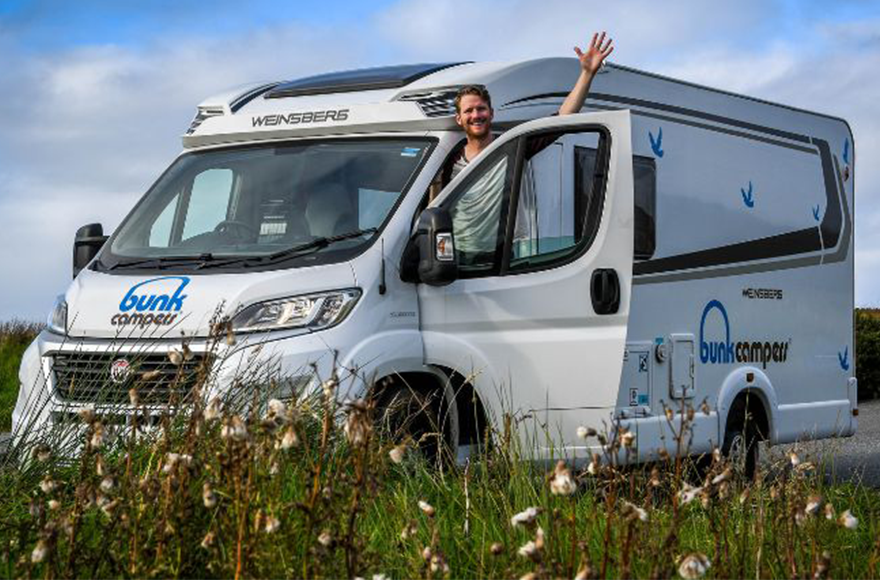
<point>671,245</point>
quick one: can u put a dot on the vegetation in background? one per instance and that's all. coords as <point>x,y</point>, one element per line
<point>15,337</point>
<point>868,352</point>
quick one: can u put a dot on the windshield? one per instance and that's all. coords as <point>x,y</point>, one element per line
<point>266,203</point>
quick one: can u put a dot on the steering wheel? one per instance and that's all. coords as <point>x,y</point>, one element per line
<point>237,229</point>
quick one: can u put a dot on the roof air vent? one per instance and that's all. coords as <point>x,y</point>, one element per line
<point>203,113</point>
<point>439,103</point>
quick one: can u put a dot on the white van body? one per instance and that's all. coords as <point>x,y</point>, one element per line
<point>743,282</point>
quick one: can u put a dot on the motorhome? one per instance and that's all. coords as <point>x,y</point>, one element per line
<point>670,247</point>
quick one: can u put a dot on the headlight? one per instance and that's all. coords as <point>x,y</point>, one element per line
<point>314,311</point>
<point>57,322</point>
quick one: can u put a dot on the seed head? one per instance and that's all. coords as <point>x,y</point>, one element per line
<point>526,517</point>
<point>357,425</point>
<point>593,467</point>
<point>688,494</point>
<point>669,414</point>
<point>632,511</point>
<point>40,551</point>
<point>288,440</point>
<point>48,485</point>
<point>848,521</point>
<point>272,525</point>
<point>133,397</point>
<point>176,357</point>
<point>208,540</point>
<point>107,484</point>
<point>325,539</point>
<point>722,477</point>
<point>97,440</point>
<point>438,563</point>
<point>584,573</point>
<point>704,407</point>
<point>586,432</point>
<point>496,548</point>
<point>427,508</point>
<point>408,531</point>
<point>100,466</point>
<point>54,504</point>
<point>627,438</point>
<point>528,550</point>
<point>694,566</point>
<point>396,454</point>
<point>234,429</point>
<point>795,460</point>
<point>561,482</point>
<point>208,495</point>
<point>716,455</point>
<point>230,336</point>
<point>43,453</point>
<point>813,503</point>
<point>87,414</point>
<point>329,386</point>
<point>829,511</point>
<point>212,411</point>
<point>427,553</point>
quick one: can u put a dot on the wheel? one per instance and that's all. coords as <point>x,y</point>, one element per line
<point>741,446</point>
<point>407,413</point>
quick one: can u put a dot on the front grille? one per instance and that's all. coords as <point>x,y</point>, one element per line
<point>85,377</point>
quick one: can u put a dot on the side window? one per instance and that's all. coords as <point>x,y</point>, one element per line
<point>208,202</point>
<point>560,199</point>
<point>645,196</point>
<point>477,209</point>
<point>160,232</point>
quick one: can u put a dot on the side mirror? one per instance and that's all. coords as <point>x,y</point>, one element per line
<point>86,245</point>
<point>429,255</point>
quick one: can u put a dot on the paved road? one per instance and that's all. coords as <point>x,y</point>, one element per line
<point>854,458</point>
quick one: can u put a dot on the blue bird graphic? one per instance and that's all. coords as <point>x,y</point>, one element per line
<point>816,213</point>
<point>844,359</point>
<point>748,199</point>
<point>846,151</point>
<point>657,146</point>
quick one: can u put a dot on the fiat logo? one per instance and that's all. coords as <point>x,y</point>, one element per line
<point>120,370</point>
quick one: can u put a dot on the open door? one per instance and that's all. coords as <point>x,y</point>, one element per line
<point>543,237</point>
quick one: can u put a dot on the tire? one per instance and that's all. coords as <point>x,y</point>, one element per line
<point>406,413</point>
<point>741,446</point>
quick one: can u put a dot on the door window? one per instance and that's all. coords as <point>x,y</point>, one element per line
<point>478,209</point>
<point>560,199</point>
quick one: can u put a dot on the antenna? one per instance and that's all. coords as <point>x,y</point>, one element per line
<point>382,287</point>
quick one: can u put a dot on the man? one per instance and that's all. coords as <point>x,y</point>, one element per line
<point>473,108</point>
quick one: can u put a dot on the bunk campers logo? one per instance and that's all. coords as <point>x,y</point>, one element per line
<point>154,302</point>
<point>301,118</point>
<point>716,346</point>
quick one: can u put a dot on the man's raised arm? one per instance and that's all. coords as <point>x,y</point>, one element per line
<point>591,62</point>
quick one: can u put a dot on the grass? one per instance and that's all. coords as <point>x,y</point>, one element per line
<point>15,337</point>
<point>242,487</point>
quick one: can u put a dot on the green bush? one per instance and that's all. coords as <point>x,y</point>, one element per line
<point>15,337</point>
<point>868,352</point>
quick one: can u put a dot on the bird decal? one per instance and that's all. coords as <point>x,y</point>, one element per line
<point>657,145</point>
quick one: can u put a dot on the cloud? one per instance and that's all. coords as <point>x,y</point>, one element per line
<point>87,126</point>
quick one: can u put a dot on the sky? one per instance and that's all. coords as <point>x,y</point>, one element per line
<point>96,93</point>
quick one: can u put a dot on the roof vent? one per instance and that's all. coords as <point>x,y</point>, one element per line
<point>203,113</point>
<point>439,103</point>
<point>367,79</point>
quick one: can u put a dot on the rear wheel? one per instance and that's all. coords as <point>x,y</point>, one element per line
<point>741,446</point>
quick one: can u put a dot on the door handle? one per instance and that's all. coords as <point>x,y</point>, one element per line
<point>605,291</point>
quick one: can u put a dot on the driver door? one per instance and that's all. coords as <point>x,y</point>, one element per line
<point>543,234</point>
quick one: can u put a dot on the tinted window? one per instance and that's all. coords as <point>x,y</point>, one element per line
<point>645,197</point>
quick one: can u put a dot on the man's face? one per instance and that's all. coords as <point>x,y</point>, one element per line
<point>475,116</point>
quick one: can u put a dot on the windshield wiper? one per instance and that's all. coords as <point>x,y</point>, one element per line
<point>161,262</point>
<point>305,248</point>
